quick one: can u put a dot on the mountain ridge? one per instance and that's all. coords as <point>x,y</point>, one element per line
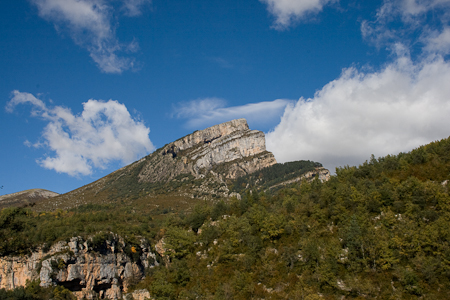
<point>25,197</point>
<point>199,166</point>
<point>374,231</point>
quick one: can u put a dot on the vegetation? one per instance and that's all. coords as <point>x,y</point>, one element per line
<point>35,292</point>
<point>270,176</point>
<point>22,230</point>
<point>377,231</point>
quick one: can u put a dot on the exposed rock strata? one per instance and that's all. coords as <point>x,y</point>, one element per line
<point>322,173</point>
<point>74,265</point>
<point>231,149</point>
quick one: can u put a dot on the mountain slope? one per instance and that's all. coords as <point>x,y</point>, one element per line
<point>376,231</point>
<point>25,198</point>
<point>196,166</point>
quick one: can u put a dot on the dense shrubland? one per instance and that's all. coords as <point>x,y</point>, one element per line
<point>380,230</point>
<point>35,292</point>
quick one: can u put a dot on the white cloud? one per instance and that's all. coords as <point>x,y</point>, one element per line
<point>396,109</point>
<point>412,8</point>
<point>21,98</point>
<point>134,7</point>
<point>424,24</point>
<point>438,41</point>
<point>288,12</point>
<point>89,24</point>
<point>210,111</point>
<point>103,132</point>
<point>403,105</point>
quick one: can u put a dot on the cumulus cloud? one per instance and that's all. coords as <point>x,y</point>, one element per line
<point>287,12</point>
<point>89,23</point>
<point>103,132</point>
<point>210,111</point>
<point>386,112</point>
<point>403,105</point>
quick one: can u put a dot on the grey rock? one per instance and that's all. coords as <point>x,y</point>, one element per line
<point>62,264</point>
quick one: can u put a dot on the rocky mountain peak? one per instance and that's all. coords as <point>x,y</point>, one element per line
<point>210,134</point>
<point>201,165</point>
<point>230,149</point>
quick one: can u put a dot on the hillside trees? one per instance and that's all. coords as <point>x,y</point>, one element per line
<point>376,231</point>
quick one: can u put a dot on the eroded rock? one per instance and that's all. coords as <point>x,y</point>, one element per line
<point>229,149</point>
<point>76,266</point>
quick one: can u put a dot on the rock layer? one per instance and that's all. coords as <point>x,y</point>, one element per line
<point>322,174</point>
<point>76,266</point>
<point>231,149</point>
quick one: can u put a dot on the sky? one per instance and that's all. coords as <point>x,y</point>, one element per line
<point>88,86</point>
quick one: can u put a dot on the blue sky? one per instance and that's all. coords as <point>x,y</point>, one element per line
<point>88,86</point>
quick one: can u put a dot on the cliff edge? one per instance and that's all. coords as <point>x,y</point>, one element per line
<point>230,149</point>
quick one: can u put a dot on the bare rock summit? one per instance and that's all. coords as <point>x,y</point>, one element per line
<point>229,149</point>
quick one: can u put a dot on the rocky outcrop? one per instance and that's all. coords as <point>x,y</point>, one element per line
<point>231,149</point>
<point>76,266</point>
<point>321,173</point>
<point>210,134</point>
<point>141,295</point>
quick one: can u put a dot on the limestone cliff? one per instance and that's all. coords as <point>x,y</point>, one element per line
<point>322,174</point>
<point>76,265</point>
<point>230,149</point>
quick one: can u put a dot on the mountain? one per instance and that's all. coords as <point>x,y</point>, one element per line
<point>104,238</point>
<point>202,165</point>
<point>374,231</point>
<point>229,149</point>
<point>25,198</point>
<point>88,256</point>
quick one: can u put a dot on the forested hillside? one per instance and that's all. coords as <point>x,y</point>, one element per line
<point>273,175</point>
<point>377,231</point>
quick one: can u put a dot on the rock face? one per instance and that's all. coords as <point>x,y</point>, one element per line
<point>322,174</point>
<point>229,149</point>
<point>141,295</point>
<point>74,265</point>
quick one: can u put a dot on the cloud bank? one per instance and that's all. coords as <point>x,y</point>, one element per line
<point>403,105</point>
<point>102,133</point>
<point>89,23</point>
<point>210,111</point>
<point>386,112</point>
<point>288,12</point>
